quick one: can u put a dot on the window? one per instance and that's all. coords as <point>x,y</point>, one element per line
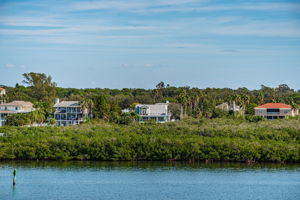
<point>144,111</point>
<point>161,119</point>
<point>275,110</point>
<point>16,108</point>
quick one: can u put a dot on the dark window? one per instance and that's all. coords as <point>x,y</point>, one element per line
<point>273,110</point>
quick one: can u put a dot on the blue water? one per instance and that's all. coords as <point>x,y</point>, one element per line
<point>155,181</point>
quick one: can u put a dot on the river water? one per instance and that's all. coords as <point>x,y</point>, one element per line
<point>148,180</point>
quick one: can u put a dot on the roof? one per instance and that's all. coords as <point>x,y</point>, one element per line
<point>155,109</point>
<point>18,103</point>
<point>2,88</point>
<point>67,104</point>
<point>7,111</point>
<point>274,105</point>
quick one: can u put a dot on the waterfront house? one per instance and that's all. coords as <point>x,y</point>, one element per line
<point>68,113</point>
<point>275,111</point>
<point>2,95</point>
<point>2,91</point>
<point>158,112</point>
<point>15,107</point>
<point>229,107</point>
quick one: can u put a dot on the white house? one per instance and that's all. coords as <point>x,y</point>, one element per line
<point>229,107</point>
<point>158,112</point>
<point>2,95</point>
<point>13,108</point>
<point>2,91</point>
<point>68,113</point>
<point>275,110</point>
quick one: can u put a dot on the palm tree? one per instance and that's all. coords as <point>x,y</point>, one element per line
<point>184,100</point>
<point>244,102</point>
<point>260,97</point>
<point>87,106</point>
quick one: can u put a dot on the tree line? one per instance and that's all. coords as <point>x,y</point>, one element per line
<point>107,104</point>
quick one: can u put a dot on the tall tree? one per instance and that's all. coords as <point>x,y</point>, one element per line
<point>43,88</point>
<point>87,106</point>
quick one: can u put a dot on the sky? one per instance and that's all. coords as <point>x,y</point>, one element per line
<point>137,43</point>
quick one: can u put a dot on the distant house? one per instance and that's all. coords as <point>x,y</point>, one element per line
<point>2,95</point>
<point>158,112</point>
<point>14,107</point>
<point>68,113</point>
<point>275,111</point>
<point>126,110</point>
<point>2,91</point>
<point>229,107</point>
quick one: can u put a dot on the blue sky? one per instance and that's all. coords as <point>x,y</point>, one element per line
<point>137,43</point>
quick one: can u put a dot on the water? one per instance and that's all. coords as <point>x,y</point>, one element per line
<point>155,181</point>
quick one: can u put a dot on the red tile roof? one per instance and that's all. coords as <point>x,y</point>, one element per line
<point>274,105</point>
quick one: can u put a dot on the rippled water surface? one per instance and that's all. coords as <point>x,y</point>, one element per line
<point>104,180</point>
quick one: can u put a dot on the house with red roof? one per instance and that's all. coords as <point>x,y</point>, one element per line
<point>275,110</point>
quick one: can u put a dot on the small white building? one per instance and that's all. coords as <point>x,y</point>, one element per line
<point>68,113</point>
<point>2,91</point>
<point>2,95</point>
<point>15,107</point>
<point>229,107</point>
<point>158,112</point>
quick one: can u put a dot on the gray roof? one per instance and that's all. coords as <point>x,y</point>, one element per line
<point>67,104</point>
<point>18,103</point>
<point>156,109</point>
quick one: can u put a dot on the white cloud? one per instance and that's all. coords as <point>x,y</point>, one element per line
<point>148,65</point>
<point>130,5</point>
<point>178,6</point>
<point>9,65</point>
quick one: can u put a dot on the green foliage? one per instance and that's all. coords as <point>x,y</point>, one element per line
<point>21,119</point>
<point>191,140</point>
<point>43,88</point>
<point>252,118</point>
<point>128,118</point>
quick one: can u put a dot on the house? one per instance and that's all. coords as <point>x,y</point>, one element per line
<point>14,107</point>
<point>2,95</point>
<point>126,110</point>
<point>275,111</point>
<point>229,107</point>
<point>68,113</point>
<point>158,112</point>
<point>2,91</point>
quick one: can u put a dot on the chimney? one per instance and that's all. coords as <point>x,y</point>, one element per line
<point>56,100</point>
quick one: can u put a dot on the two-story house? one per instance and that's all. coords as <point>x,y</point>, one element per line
<point>14,107</point>
<point>275,111</point>
<point>68,113</point>
<point>158,112</point>
<point>229,107</point>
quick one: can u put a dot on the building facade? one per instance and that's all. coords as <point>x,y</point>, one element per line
<point>15,107</point>
<point>229,107</point>
<point>158,112</point>
<point>2,95</point>
<point>68,113</point>
<point>275,111</point>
